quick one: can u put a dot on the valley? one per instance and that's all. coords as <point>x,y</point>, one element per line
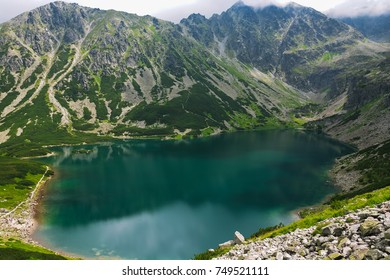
<point>73,75</point>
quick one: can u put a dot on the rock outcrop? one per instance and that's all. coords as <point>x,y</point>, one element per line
<point>359,235</point>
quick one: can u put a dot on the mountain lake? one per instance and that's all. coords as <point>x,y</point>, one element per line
<point>154,199</point>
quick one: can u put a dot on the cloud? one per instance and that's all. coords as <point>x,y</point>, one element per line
<point>353,8</point>
<point>208,8</point>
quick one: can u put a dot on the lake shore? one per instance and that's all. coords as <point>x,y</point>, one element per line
<point>20,223</point>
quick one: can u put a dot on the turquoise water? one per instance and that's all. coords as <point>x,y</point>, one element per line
<point>152,199</point>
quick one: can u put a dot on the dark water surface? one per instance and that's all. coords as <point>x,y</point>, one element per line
<point>152,199</point>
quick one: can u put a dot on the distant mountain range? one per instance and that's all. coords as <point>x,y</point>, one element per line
<point>375,28</point>
<point>68,72</point>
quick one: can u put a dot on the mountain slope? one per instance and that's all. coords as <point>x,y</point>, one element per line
<point>375,28</point>
<point>327,59</point>
<point>109,72</point>
<point>113,73</point>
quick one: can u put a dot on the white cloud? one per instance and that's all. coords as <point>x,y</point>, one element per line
<point>175,10</point>
<point>353,8</point>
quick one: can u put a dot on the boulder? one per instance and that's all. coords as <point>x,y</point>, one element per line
<point>387,234</point>
<point>374,255</point>
<point>279,256</point>
<point>364,215</point>
<point>327,230</point>
<point>332,229</point>
<point>369,227</point>
<point>238,238</point>
<point>226,244</point>
<point>359,254</point>
<point>347,251</point>
<point>344,242</point>
<point>335,256</point>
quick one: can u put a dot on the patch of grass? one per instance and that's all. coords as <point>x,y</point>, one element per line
<point>207,131</point>
<point>347,205</point>
<point>210,255</point>
<point>12,249</point>
<point>11,96</point>
<point>299,121</point>
<point>33,77</point>
<point>166,81</point>
<point>263,231</point>
<point>7,81</point>
<point>17,180</point>
<point>328,56</point>
<point>244,121</point>
<point>62,59</point>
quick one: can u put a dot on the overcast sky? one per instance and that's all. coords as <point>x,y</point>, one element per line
<point>174,10</point>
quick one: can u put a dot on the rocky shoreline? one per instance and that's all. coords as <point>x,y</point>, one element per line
<point>360,235</point>
<point>20,223</point>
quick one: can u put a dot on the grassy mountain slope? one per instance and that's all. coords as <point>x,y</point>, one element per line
<point>327,59</point>
<point>69,70</point>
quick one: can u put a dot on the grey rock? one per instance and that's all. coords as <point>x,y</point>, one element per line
<point>287,256</point>
<point>387,234</point>
<point>363,215</point>
<point>226,244</point>
<point>327,230</point>
<point>347,251</point>
<point>335,256</point>
<point>358,254</point>
<point>279,256</point>
<point>374,255</point>
<point>344,242</point>
<point>354,228</point>
<point>238,238</point>
<point>369,227</point>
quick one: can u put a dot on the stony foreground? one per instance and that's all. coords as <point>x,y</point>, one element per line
<point>360,235</point>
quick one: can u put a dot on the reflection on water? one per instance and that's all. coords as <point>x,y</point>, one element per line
<point>155,199</point>
<point>164,234</point>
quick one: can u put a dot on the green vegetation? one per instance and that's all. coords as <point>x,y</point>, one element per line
<point>42,129</point>
<point>328,56</point>
<point>142,132</point>
<point>12,249</point>
<point>33,77</point>
<point>374,167</point>
<point>17,179</point>
<point>62,59</point>
<point>166,81</point>
<point>8,100</point>
<point>335,209</point>
<point>7,81</point>
<point>208,255</point>
<point>196,109</point>
<point>244,121</point>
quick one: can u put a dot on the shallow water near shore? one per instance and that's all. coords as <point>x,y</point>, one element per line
<point>152,199</point>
